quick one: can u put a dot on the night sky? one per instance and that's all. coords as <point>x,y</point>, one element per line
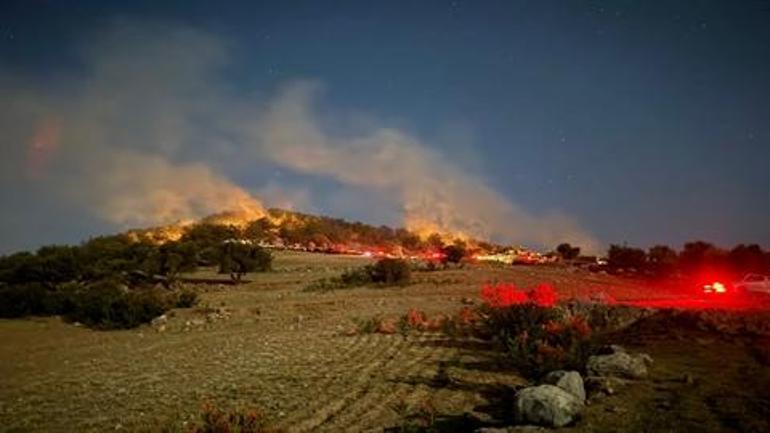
<point>641,121</point>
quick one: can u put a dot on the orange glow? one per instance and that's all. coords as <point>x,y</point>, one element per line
<point>715,287</point>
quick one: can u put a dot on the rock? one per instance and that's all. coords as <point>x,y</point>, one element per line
<point>546,405</point>
<point>161,328</point>
<point>160,320</point>
<point>618,364</point>
<point>603,385</point>
<point>512,429</point>
<point>570,381</point>
<point>611,349</point>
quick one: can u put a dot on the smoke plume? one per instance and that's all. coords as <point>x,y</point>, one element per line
<point>434,194</point>
<point>145,134</point>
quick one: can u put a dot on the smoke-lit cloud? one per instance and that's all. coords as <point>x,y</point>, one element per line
<point>145,134</point>
<point>434,194</point>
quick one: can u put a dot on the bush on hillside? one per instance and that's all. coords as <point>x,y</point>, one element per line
<point>537,336</point>
<point>390,272</point>
<point>239,258</point>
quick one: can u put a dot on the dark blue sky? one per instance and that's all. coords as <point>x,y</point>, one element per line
<point>645,121</point>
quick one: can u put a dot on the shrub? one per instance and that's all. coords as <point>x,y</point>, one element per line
<point>384,272</point>
<point>537,336</point>
<point>237,420</point>
<point>356,277</point>
<point>187,298</point>
<point>502,295</point>
<point>622,257</point>
<point>453,253</point>
<point>238,258</point>
<point>106,305</point>
<point>27,300</point>
<point>567,251</point>
<point>390,271</point>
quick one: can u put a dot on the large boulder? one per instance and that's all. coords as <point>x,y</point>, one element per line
<point>618,364</point>
<point>546,405</point>
<point>570,381</point>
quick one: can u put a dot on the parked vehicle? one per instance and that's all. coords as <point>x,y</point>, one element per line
<point>753,283</point>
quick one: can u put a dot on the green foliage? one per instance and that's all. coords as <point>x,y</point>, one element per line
<point>31,299</point>
<point>390,272</point>
<point>106,305</point>
<point>171,258</point>
<point>259,229</point>
<point>207,239</point>
<point>239,258</point>
<point>623,257</point>
<point>749,258</point>
<point>540,339</point>
<point>567,251</point>
<point>699,255</point>
<point>662,260</point>
<point>385,272</point>
<point>356,277</point>
<point>187,298</point>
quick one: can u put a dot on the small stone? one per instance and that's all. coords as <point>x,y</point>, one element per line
<point>570,381</point>
<point>618,364</point>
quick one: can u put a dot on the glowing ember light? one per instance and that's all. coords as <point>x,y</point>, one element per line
<point>719,287</point>
<point>715,287</point>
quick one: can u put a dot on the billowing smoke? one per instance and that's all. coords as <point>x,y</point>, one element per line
<point>144,136</point>
<point>125,142</point>
<point>435,195</point>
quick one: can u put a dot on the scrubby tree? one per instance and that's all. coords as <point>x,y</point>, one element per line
<point>627,258</point>
<point>390,271</point>
<point>259,229</point>
<point>171,258</point>
<point>567,251</point>
<point>454,253</point>
<point>699,256</point>
<point>435,241</point>
<point>238,258</point>
<point>749,258</point>
<point>662,260</point>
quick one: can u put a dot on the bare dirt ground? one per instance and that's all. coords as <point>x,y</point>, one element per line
<point>287,351</point>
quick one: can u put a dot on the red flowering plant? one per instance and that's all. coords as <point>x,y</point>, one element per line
<point>537,334</point>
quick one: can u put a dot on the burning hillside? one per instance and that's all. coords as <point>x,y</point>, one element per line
<point>281,228</point>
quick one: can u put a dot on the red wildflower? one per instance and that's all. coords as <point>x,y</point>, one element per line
<point>543,295</point>
<point>502,295</point>
<point>553,327</point>
<point>547,351</point>
<point>467,316</point>
<point>580,325</point>
<point>416,318</point>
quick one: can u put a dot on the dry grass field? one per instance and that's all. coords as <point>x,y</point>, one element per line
<point>270,344</point>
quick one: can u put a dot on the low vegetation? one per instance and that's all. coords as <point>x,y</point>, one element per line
<point>104,304</point>
<point>385,272</point>
<point>114,281</point>
<point>694,259</point>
